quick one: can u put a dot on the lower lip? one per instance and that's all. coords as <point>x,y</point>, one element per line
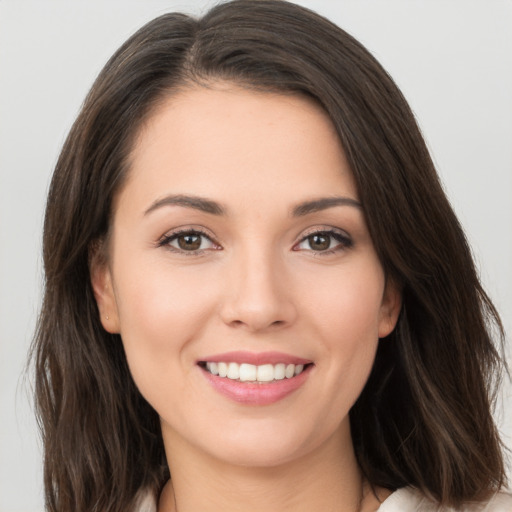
<point>250,393</point>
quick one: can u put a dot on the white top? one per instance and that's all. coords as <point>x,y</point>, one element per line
<point>406,499</point>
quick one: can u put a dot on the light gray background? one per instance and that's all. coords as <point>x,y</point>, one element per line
<point>452,59</point>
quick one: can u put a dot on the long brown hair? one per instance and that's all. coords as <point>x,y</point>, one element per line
<point>424,417</point>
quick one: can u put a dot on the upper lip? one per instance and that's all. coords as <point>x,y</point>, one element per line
<point>255,358</point>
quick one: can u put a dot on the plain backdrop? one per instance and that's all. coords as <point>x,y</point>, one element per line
<point>451,58</point>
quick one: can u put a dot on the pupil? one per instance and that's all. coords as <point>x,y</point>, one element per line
<point>319,242</point>
<point>189,242</point>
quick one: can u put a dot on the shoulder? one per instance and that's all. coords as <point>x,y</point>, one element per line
<point>406,499</point>
<point>145,502</point>
<point>409,499</point>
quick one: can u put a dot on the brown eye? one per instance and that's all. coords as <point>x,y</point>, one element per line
<point>325,241</point>
<point>319,241</point>
<point>189,242</point>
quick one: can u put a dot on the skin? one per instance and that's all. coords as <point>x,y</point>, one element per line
<point>257,283</point>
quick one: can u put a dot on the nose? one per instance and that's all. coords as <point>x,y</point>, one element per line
<point>258,294</point>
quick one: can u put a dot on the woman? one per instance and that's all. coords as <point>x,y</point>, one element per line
<point>256,287</point>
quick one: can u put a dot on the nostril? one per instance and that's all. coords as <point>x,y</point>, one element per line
<point>253,326</point>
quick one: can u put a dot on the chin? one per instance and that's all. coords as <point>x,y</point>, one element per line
<point>259,456</point>
<point>267,444</point>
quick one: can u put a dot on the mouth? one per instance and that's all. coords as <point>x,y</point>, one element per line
<point>251,373</point>
<point>256,379</point>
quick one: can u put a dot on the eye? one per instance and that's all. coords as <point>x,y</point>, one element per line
<point>324,241</point>
<point>191,241</point>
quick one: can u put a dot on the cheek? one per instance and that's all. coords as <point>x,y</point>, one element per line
<point>346,318</point>
<point>160,312</point>
<point>161,299</point>
<point>346,304</point>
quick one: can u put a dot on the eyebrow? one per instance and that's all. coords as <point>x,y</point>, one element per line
<point>194,202</point>
<point>214,208</point>
<point>323,203</point>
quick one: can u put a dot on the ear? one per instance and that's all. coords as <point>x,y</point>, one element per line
<point>101,280</point>
<point>390,308</point>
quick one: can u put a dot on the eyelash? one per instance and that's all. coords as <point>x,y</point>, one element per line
<point>166,240</point>
<point>344,241</point>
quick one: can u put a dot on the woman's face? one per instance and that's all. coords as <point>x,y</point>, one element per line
<point>239,245</point>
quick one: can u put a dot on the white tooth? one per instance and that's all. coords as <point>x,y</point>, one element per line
<point>290,371</point>
<point>223,369</point>
<point>233,371</point>
<point>247,372</point>
<point>265,373</point>
<point>279,371</point>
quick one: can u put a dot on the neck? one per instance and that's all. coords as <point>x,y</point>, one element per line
<point>328,479</point>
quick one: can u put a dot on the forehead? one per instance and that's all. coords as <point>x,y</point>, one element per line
<point>232,142</point>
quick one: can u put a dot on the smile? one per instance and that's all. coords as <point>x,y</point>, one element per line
<point>246,372</point>
<point>256,379</point>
